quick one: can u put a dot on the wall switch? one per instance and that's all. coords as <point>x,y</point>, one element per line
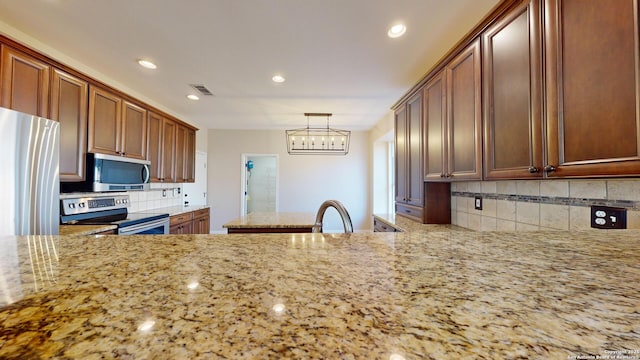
<point>478,203</point>
<point>605,217</point>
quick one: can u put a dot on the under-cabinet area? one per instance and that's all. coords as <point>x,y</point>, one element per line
<point>488,111</point>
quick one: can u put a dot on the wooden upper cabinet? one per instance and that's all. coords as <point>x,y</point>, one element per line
<point>401,153</point>
<point>105,121</point>
<point>167,171</point>
<point>154,146</point>
<point>512,84</point>
<point>415,173</point>
<point>134,131</point>
<point>464,116</point>
<point>435,123</point>
<point>69,101</point>
<point>25,83</point>
<point>592,88</point>
<point>190,158</point>
<point>181,142</point>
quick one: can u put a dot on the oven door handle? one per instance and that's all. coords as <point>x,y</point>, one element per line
<point>134,229</point>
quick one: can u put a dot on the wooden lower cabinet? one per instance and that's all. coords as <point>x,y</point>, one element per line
<point>193,222</point>
<point>201,219</point>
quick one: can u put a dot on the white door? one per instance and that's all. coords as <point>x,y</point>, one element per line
<point>196,193</point>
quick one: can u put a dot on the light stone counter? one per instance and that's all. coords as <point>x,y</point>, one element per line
<point>412,295</point>
<point>273,220</point>
<point>85,229</point>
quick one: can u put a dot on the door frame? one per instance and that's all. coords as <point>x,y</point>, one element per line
<point>243,180</point>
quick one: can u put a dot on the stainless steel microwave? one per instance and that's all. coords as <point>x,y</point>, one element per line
<point>112,173</point>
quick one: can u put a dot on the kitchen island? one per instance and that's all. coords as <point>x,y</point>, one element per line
<point>408,295</point>
<point>272,222</point>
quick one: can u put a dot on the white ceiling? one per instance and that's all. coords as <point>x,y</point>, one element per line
<point>335,54</point>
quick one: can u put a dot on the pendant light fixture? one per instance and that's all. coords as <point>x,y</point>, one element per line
<point>318,140</point>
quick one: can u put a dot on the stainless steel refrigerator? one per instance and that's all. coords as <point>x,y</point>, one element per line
<point>29,174</point>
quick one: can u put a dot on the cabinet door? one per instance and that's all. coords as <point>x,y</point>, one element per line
<point>190,159</point>
<point>464,115</point>
<point>25,83</point>
<point>69,100</point>
<point>512,79</point>
<point>154,146</point>
<point>401,155</point>
<point>167,173</point>
<point>181,141</point>
<point>105,112</point>
<point>592,87</point>
<point>134,131</point>
<point>435,143</point>
<point>414,148</point>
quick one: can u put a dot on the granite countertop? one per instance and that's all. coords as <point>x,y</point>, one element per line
<point>85,229</point>
<point>403,224</point>
<point>413,295</point>
<point>174,210</point>
<point>273,220</point>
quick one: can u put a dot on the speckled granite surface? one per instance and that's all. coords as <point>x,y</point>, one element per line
<point>403,224</point>
<point>414,295</point>
<point>85,229</point>
<point>273,220</point>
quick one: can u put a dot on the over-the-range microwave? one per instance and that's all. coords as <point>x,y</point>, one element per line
<point>111,173</point>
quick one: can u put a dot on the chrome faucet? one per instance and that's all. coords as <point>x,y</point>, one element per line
<point>346,219</point>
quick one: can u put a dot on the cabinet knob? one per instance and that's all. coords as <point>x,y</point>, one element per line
<point>549,168</point>
<point>442,175</point>
<point>533,169</point>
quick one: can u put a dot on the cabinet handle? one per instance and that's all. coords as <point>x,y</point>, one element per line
<point>533,169</point>
<point>549,168</point>
<point>442,175</point>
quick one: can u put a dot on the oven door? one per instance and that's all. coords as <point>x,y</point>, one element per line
<point>155,227</point>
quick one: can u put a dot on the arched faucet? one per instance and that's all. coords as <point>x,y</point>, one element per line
<point>346,219</point>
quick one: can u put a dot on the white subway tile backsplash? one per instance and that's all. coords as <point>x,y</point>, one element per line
<point>528,213</point>
<point>530,187</point>
<point>554,188</point>
<point>623,190</point>
<point>529,205</point>
<point>488,187</point>
<point>579,218</point>
<point>588,189</point>
<point>506,210</point>
<point>506,187</point>
<point>554,216</point>
<point>505,225</point>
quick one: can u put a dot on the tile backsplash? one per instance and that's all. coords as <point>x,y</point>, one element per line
<point>527,205</point>
<point>160,195</point>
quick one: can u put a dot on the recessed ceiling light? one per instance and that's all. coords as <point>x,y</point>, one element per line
<point>193,97</point>
<point>397,30</point>
<point>278,78</point>
<point>147,64</point>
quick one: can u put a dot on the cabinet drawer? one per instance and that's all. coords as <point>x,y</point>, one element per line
<point>201,213</point>
<point>177,219</point>
<point>379,226</point>
<point>409,211</point>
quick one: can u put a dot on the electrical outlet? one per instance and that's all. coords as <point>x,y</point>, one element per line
<point>164,192</point>
<point>605,217</point>
<point>478,203</point>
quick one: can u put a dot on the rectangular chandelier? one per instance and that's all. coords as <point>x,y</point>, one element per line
<point>318,140</point>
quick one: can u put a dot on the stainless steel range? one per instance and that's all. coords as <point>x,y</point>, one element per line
<point>112,209</point>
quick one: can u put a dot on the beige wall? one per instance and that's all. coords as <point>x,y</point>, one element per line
<point>305,181</point>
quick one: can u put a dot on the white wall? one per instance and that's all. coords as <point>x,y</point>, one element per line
<point>305,180</point>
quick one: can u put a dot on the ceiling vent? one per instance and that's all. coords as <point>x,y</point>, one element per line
<point>201,89</point>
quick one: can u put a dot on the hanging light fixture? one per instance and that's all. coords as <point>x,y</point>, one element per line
<point>318,140</point>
